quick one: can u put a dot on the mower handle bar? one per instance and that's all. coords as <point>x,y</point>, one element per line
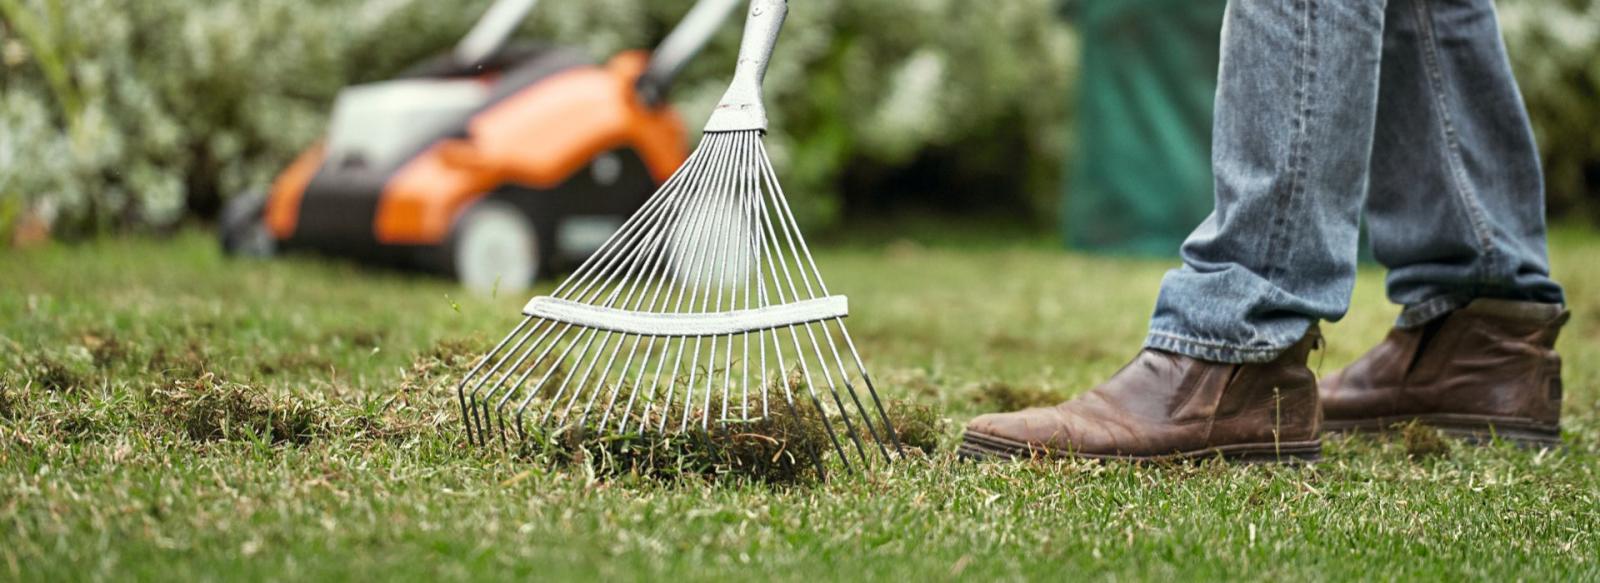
<point>680,46</point>
<point>492,31</point>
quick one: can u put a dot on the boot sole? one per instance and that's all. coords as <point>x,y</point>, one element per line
<point>983,447</point>
<point>1477,429</point>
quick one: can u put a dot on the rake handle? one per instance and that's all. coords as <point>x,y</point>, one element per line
<point>741,108</point>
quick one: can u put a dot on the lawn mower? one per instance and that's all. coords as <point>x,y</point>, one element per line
<point>490,163</point>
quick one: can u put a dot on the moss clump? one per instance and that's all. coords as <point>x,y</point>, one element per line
<point>105,349</point>
<point>205,408</point>
<point>8,403</point>
<point>1002,397</point>
<point>361,337</point>
<point>776,449</point>
<point>1422,441</point>
<point>188,362</point>
<point>455,351</point>
<point>292,362</point>
<point>917,426</point>
<point>54,376</point>
<point>786,446</point>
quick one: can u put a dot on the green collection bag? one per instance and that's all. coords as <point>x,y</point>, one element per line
<point>1142,177</point>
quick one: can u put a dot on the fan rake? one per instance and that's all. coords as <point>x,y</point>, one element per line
<point>675,323</point>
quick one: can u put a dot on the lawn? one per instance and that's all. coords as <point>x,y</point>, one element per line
<point>117,356</point>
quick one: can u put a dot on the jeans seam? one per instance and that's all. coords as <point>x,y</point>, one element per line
<point>1210,343</point>
<point>1428,310</point>
<point>1304,77</point>
<point>1452,141</point>
<point>1213,351</point>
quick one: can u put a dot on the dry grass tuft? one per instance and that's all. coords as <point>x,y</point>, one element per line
<point>1422,441</point>
<point>205,408</point>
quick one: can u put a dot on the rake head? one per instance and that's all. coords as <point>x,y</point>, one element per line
<point>704,313</point>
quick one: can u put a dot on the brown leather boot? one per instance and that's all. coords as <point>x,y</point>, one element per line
<point>1166,406</point>
<point>1487,370</point>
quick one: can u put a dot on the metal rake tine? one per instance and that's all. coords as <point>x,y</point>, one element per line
<point>866,378</point>
<point>622,375</point>
<point>657,271</point>
<point>651,239</point>
<point>489,395</point>
<point>670,191</point>
<point>844,413</point>
<point>587,373</point>
<point>461,394</point>
<point>523,378</point>
<point>479,411</point>
<point>718,179</point>
<point>671,196</point>
<point>743,240</point>
<point>822,412</point>
<point>644,366</point>
<point>711,145</point>
<point>781,264</point>
<point>720,281</point>
<point>797,245</point>
<point>844,410</point>
<point>588,344</point>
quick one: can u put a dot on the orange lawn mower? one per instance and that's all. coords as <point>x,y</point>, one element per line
<point>491,163</point>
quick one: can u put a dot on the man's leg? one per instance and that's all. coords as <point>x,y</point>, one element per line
<point>1457,201</point>
<point>1224,373</point>
<point>1295,108</point>
<point>1456,211</point>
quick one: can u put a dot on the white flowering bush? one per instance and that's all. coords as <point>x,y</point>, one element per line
<point>118,114</point>
<point>1555,48</point>
<point>121,115</point>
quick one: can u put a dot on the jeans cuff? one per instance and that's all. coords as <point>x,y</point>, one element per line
<point>1212,351</point>
<point>1429,310</point>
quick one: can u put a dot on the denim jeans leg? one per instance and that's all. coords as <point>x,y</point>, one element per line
<point>1291,145</point>
<point>1456,205</point>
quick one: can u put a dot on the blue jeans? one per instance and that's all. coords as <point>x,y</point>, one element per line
<point>1405,109</point>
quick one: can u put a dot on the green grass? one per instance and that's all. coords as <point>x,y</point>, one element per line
<point>169,414</point>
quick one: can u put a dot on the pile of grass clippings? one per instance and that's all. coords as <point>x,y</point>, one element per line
<point>206,408</point>
<point>1003,397</point>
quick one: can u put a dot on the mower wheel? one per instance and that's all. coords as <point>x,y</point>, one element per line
<point>241,227</point>
<point>494,248</point>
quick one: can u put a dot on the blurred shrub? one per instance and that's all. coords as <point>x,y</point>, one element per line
<point>120,114</point>
<point>1555,48</point>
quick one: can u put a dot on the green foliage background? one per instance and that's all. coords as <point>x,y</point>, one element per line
<point>118,114</point>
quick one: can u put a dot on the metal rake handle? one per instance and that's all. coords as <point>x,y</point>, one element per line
<point>741,108</point>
